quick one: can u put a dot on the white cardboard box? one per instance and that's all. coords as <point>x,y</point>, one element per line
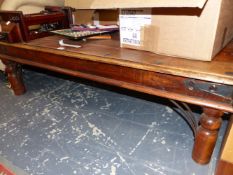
<point>193,29</point>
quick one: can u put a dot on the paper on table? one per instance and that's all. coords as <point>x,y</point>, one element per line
<point>131,22</point>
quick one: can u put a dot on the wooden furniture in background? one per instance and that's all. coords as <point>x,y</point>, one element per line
<point>37,25</point>
<point>27,7</point>
<point>206,84</point>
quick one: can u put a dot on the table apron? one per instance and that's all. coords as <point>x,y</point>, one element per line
<point>154,83</point>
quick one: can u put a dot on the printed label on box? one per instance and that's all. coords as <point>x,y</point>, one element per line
<point>131,22</point>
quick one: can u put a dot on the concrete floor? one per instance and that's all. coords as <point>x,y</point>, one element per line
<point>69,126</point>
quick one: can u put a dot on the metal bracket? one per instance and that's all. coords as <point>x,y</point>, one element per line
<point>221,90</point>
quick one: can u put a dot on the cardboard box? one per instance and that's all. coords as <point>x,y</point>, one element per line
<point>83,17</point>
<point>96,17</point>
<point>193,29</point>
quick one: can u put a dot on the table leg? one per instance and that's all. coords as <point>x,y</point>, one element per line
<point>207,134</point>
<point>14,74</point>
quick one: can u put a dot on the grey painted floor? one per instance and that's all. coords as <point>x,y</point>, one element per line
<point>66,126</point>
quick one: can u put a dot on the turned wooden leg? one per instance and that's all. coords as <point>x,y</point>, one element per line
<point>206,136</point>
<point>14,74</point>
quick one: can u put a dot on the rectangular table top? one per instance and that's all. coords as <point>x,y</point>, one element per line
<point>219,70</point>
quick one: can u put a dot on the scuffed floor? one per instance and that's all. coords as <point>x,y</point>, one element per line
<point>64,126</point>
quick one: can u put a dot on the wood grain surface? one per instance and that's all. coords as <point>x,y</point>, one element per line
<point>219,70</point>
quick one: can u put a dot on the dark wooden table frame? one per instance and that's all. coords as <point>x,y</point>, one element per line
<point>206,84</point>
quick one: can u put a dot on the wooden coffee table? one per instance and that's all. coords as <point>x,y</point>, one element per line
<point>206,84</point>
